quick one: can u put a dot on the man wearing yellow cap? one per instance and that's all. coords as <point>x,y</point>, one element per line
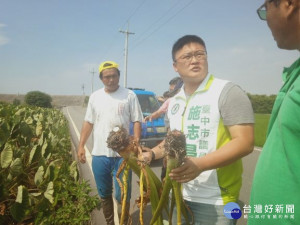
<point>109,107</point>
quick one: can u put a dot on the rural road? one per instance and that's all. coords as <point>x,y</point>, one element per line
<point>75,115</point>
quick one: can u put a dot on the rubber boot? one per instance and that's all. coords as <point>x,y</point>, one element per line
<point>108,210</point>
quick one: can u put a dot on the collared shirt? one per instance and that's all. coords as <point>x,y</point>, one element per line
<point>276,179</point>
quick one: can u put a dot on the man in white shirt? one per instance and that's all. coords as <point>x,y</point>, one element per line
<point>109,107</point>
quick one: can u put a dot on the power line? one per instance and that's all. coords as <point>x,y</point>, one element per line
<point>170,18</point>
<point>164,23</point>
<point>155,22</point>
<point>113,40</point>
<point>132,14</point>
<point>159,19</point>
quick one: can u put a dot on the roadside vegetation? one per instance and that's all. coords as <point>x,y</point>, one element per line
<point>262,107</point>
<point>262,103</point>
<point>37,98</point>
<point>260,128</point>
<point>39,180</point>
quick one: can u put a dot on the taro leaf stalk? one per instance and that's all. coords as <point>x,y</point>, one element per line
<point>124,188</point>
<point>120,141</point>
<point>143,198</point>
<point>175,152</point>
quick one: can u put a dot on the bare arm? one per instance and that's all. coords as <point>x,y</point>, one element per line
<point>137,130</point>
<point>242,144</point>
<point>157,113</point>
<point>158,151</point>
<point>153,116</point>
<point>84,135</point>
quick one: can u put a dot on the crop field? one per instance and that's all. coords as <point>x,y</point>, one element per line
<point>39,180</point>
<point>261,126</point>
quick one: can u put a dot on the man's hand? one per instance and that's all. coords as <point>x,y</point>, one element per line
<point>81,154</point>
<point>84,135</point>
<point>187,171</point>
<point>147,154</point>
<point>147,118</point>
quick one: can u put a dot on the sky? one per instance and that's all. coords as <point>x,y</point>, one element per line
<point>54,46</point>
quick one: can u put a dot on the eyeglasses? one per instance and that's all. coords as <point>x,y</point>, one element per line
<point>187,58</point>
<point>262,11</point>
<point>110,77</point>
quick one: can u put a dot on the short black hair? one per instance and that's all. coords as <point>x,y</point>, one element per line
<point>187,39</point>
<point>175,80</point>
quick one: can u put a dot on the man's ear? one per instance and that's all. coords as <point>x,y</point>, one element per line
<point>290,6</point>
<point>175,67</point>
<point>292,2</point>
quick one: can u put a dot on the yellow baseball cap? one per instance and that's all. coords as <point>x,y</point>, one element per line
<point>107,65</point>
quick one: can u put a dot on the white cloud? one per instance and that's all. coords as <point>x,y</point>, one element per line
<point>3,39</point>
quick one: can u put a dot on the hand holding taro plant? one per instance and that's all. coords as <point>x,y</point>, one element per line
<point>175,152</point>
<point>120,141</point>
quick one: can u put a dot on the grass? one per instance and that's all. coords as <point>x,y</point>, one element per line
<point>261,126</point>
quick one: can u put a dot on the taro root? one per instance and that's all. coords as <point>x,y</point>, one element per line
<point>120,141</point>
<point>175,145</point>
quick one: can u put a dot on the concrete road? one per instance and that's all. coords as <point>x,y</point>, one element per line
<point>75,115</point>
<point>249,163</point>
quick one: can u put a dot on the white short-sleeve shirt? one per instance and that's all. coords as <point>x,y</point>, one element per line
<point>108,110</point>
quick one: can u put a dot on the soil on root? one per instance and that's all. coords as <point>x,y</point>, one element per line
<point>175,144</point>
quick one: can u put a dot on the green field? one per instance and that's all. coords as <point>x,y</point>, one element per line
<point>261,125</point>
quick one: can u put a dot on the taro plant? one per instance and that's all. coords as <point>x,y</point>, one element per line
<point>120,141</point>
<point>156,192</point>
<point>175,145</point>
<point>39,182</point>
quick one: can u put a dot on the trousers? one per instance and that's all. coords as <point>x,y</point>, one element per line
<point>105,170</point>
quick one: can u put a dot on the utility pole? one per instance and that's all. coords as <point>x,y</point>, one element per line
<point>82,87</point>
<point>126,32</point>
<point>93,72</point>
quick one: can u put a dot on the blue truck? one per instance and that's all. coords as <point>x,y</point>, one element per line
<point>152,132</point>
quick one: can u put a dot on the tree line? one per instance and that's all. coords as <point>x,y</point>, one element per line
<point>262,103</point>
